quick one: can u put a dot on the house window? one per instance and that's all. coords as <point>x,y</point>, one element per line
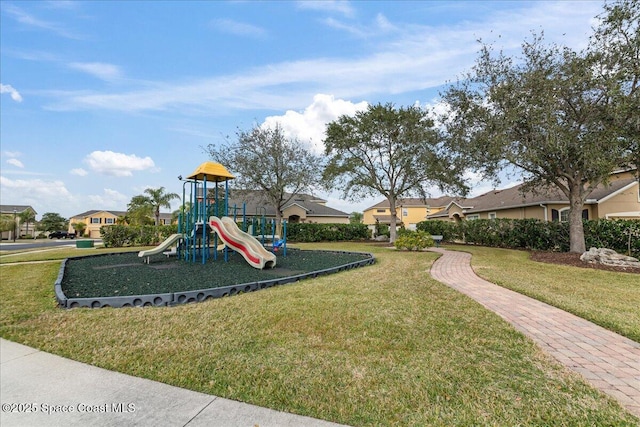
<point>405,212</point>
<point>472,217</point>
<point>109,221</point>
<point>95,220</point>
<point>564,215</point>
<point>492,215</point>
<point>381,210</point>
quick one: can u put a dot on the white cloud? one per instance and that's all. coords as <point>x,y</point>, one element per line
<point>63,4</point>
<point>16,163</point>
<point>79,172</point>
<point>410,58</point>
<point>12,153</point>
<point>15,95</point>
<point>31,21</point>
<point>117,164</point>
<point>38,193</point>
<point>109,199</point>
<point>338,6</point>
<point>383,23</point>
<point>100,70</point>
<point>309,126</point>
<point>238,28</point>
<point>380,27</point>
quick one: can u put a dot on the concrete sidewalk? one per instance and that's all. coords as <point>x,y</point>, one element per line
<point>42,389</point>
<point>610,362</point>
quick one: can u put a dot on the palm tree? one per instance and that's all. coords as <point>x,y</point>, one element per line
<point>7,223</point>
<point>79,228</point>
<point>27,216</point>
<point>176,214</point>
<point>159,199</point>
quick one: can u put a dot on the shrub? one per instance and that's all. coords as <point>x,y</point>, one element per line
<point>116,236</point>
<point>448,230</point>
<point>620,235</point>
<point>413,240</point>
<point>307,232</point>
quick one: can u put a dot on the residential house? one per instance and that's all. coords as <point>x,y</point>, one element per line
<point>620,199</point>
<point>409,211</point>
<point>303,208</point>
<point>94,219</point>
<point>22,229</point>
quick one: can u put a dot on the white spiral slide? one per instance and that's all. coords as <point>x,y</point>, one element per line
<point>245,244</point>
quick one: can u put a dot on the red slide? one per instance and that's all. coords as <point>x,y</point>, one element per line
<point>245,244</point>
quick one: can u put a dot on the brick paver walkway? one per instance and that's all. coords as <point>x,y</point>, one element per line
<point>610,362</point>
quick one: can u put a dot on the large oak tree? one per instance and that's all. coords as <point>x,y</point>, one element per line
<point>388,151</point>
<point>560,116</point>
<point>616,45</point>
<point>265,159</point>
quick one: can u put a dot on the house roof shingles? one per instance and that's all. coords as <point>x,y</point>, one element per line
<point>432,202</point>
<point>9,209</point>
<point>513,197</point>
<point>256,204</point>
<point>114,213</point>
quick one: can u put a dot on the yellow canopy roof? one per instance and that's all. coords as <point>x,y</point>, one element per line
<point>213,171</point>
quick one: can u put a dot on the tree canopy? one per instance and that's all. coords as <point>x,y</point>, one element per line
<point>560,116</point>
<point>27,217</point>
<point>52,221</point>
<point>616,44</point>
<point>143,207</point>
<point>7,223</point>
<point>139,210</point>
<point>391,152</point>
<point>79,228</point>
<point>265,159</point>
<point>159,198</point>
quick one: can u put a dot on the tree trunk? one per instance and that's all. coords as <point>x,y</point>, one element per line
<point>278,223</point>
<point>392,221</point>
<point>576,228</point>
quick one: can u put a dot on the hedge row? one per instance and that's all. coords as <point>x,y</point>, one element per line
<point>116,236</point>
<point>623,236</point>
<point>303,232</point>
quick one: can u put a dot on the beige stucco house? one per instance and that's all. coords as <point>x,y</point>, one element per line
<point>22,229</point>
<point>620,199</point>
<point>94,219</point>
<point>409,211</point>
<point>301,208</point>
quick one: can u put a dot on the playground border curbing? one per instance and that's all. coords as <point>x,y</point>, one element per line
<point>186,297</point>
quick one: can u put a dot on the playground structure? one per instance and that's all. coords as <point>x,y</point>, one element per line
<point>205,228</point>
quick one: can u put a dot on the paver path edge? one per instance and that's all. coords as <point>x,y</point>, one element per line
<point>610,362</point>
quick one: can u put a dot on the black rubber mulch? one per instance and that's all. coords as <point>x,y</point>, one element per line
<point>126,274</point>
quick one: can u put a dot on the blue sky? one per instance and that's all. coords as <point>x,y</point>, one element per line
<point>102,99</point>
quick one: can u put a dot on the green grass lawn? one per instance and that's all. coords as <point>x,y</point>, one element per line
<point>608,299</point>
<point>380,345</point>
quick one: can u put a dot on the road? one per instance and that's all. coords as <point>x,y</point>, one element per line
<point>35,244</point>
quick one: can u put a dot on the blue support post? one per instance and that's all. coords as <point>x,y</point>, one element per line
<point>226,213</point>
<point>194,212</point>
<point>215,213</point>
<point>273,232</point>
<point>204,245</point>
<point>284,237</point>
